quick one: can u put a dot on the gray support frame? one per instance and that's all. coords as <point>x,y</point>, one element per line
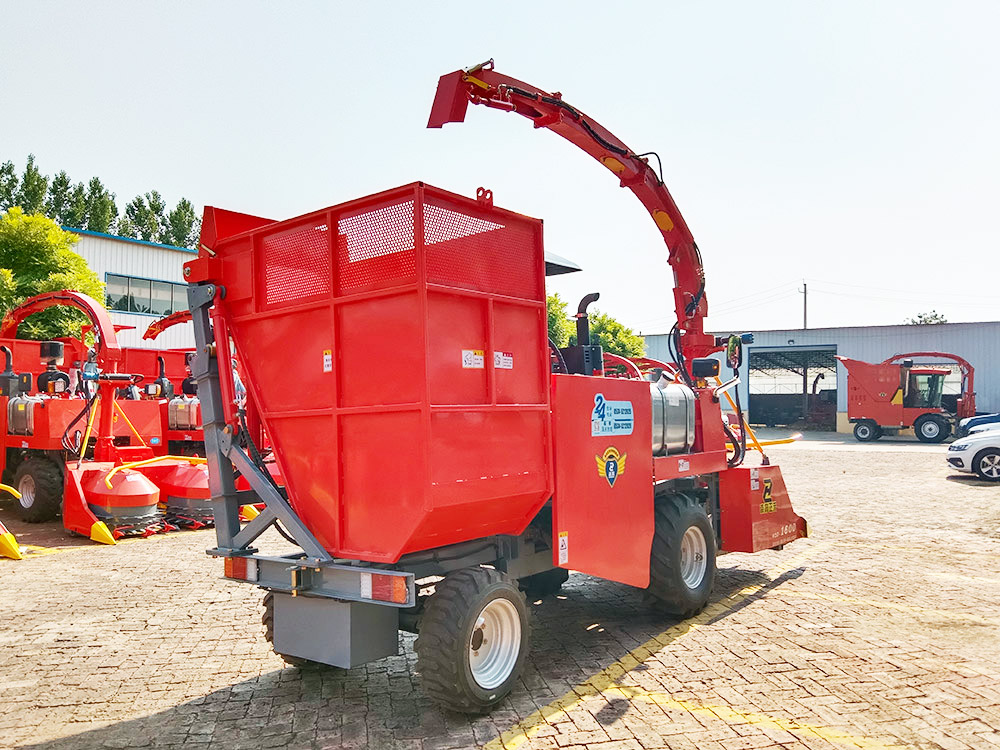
<point>223,455</point>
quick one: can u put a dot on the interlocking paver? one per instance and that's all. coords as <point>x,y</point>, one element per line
<point>880,631</point>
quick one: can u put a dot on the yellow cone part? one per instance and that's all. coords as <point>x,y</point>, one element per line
<point>99,533</point>
<point>249,512</point>
<point>9,547</point>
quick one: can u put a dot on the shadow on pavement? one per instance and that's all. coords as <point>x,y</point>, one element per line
<point>585,628</point>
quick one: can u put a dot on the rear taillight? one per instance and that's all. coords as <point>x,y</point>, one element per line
<point>384,588</point>
<point>241,568</point>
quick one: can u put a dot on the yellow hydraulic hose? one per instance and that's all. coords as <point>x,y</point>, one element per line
<point>746,427</point>
<point>86,435</point>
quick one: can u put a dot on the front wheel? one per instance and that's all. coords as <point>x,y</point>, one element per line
<point>931,428</point>
<point>473,641</point>
<point>866,430</point>
<point>987,464</point>
<point>682,557</point>
<point>39,480</point>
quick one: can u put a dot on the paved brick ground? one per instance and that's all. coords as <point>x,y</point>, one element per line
<point>883,630</point>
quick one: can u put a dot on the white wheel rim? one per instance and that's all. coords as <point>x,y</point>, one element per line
<point>495,644</point>
<point>864,431</point>
<point>27,489</point>
<point>694,557</point>
<point>990,465</point>
<point>930,428</point>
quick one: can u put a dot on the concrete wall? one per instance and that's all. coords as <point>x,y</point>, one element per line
<point>979,343</point>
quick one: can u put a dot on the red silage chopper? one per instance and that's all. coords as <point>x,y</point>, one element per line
<point>432,477</point>
<point>895,394</point>
<point>106,489</point>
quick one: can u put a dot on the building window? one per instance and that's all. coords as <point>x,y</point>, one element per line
<point>131,294</point>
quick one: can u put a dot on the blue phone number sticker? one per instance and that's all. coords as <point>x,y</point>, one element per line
<point>611,417</point>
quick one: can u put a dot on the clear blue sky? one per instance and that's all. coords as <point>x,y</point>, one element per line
<point>855,145</point>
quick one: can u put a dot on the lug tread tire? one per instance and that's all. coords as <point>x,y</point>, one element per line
<point>874,431</point>
<point>267,620</point>
<point>667,592</point>
<point>48,478</point>
<point>943,432</point>
<point>441,644</point>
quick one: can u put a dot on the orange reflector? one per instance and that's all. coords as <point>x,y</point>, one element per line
<point>384,588</point>
<point>241,568</point>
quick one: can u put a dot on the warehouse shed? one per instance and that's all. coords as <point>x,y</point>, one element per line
<point>791,376</point>
<point>143,282</point>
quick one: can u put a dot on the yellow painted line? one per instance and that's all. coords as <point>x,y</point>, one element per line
<point>608,677</point>
<point>33,550</point>
<point>732,716</point>
<point>882,604</point>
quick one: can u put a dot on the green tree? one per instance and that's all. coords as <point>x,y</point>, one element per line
<point>31,193</point>
<point>76,208</point>
<point>8,185</point>
<point>57,202</point>
<point>926,318</point>
<point>615,337</point>
<point>101,208</point>
<point>138,219</point>
<point>182,225</point>
<point>560,326</point>
<point>36,256</point>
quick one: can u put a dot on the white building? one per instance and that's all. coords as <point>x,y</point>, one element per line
<point>143,282</point>
<point>772,365</point>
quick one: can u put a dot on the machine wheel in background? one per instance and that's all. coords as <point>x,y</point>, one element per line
<point>866,430</point>
<point>40,482</point>
<point>544,583</point>
<point>474,639</point>
<point>682,557</point>
<point>267,620</point>
<point>932,428</point>
<point>987,464</point>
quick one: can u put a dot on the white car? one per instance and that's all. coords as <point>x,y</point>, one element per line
<point>978,453</point>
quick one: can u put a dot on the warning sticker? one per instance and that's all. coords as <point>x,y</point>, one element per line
<point>683,465</point>
<point>503,361</point>
<point>473,359</point>
<point>611,417</point>
<point>563,547</point>
<point>328,360</point>
<point>754,479</point>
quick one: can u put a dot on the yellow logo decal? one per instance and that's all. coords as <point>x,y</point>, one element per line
<point>611,465</point>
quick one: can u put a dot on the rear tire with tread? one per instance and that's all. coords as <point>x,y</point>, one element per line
<point>39,479</point>
<point>448,633</point>
<point>267,620</point>
<point>668,591</point>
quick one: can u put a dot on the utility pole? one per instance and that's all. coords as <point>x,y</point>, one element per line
<point>804,291</point>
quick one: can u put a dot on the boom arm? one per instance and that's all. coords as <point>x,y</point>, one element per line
<point>108,350</point>
<point>483,85</point>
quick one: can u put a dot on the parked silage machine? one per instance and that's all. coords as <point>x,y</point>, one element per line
<point>439,454</point>
<point>75,446</point>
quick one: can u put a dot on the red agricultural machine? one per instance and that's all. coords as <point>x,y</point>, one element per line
<point>73,444</point>
<point>440,455</point>
<point>896,394</point>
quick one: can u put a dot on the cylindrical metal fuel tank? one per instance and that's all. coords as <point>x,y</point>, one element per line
<point>673,417</point>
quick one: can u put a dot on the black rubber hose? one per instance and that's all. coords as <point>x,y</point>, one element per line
<point>559,356</point>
